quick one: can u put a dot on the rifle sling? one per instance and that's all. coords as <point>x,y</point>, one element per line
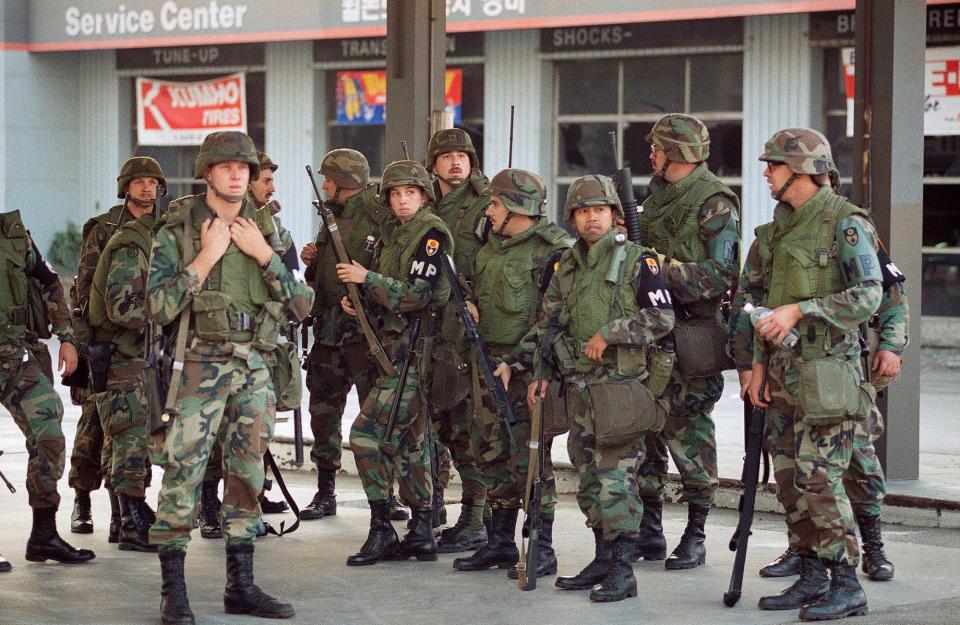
<point>286,495</point>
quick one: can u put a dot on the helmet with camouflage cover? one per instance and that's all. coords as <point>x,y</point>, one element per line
<point>592,190</point>
<point>451,140</point>
<point>265,163</point>
<point>521,192</point>
<point>404,173</point>
<point>226,145</point>
<point>348,169</point>
<point>803,150</point>
<point>683,138</point>
<point>140,167</point>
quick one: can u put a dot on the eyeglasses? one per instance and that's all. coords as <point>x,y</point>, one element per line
<point>654,148</point>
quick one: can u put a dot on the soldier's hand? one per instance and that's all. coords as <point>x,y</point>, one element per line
<point>745,377</point>
<point>214,238</point>
<point>595,346</point>
<point>472,308</point>
<point>536,390</point>
<point>354,272</point>
<point>246,234</point>
<point>504,373</point>
<point>308,253</point>
<point>756,379</point>
<point>67,359</point>
<point>886,363</point>
<point>775,327</point>
<point>347,306</point>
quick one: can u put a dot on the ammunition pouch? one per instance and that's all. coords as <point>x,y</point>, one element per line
<point>100,353</point>
<point>267,326</point>
<point>211,318</point>
<point>624,410</point>
<point>80,378</point>
<point>701,348</point>
<point>451,381</point>
<point>37,318</point>
<point>287,377</point>
<point>660,363</point>
<point>830,391</point>
<point>555,419</point>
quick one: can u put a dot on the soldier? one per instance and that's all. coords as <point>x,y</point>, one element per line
<point>864,481</point>
<point>118,315</point>
<point>690,217</point>
<point>339,358</point>
<point>605,306</point>
<point>816,266</point>
<point>233,299</point>
<point>407,282</point>
<point>462,198</point>
<point>26,391</point>
<point>512,271</point>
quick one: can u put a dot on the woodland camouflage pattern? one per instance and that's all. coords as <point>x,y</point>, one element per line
<point>348,169</point>
<point>683,138</point>
<point>803,150</point>
<point>521,191</point>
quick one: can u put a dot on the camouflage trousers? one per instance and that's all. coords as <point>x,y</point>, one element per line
<point>864,480</point>
<point>809,462</point>
<point>217,401</point>
<point>331,371</point>
<point>690,438</point>
<point>453,430</point>
<point>123,415</point>
<point>406,455</point>
<point>607,492</point>
<point>504,467</point>
<point>37,410</point>
<point>90,459</point>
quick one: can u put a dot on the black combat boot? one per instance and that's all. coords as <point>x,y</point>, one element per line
<point>419,542</point>
<point>174,605</point>
<point>210,511</point>
<point>595,571</point>
<point>241,595</point>
<point>468,532</point>
<point>382,536</point>
<point>812,584</point>
<point>272,507</point>
<point>80,521</point>
<point>875,563</point>
<point>501,550</point>
<point>845,597</point>
<point>113,534</point>
<point>135,527</point>
<point>45,543</point>
<point>546,556</point>
<point>619,583</point>
<point>397,513</point>
<point>650,543</point>
<point>787,564</point>
<point>324,503</point>
<point>5,565</point>
<point>690,552</point>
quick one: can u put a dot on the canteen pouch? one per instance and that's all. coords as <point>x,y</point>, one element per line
<point>451,376</point>
<point>267,326</point>
<point>830,392</point>
<point>287,377</point>
<point>210,316</point>
<point>701,348</point>
<point>555,420</point>
<point>623,411</point>
<point>631,360</point>
<point>660,363</point>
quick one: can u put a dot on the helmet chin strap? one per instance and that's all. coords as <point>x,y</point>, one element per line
<point>778,195</point>
<point>144,203</point>
<point>503,226</point>
<point>662,172</point>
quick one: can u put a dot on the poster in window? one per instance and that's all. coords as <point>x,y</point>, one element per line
<point>183,113</point>
<point>362,96</point>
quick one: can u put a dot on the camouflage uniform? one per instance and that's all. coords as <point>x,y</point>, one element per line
<point>692,220</point>
<point>821,256</point>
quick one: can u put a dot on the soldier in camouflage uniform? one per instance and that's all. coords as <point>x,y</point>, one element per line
<point>512,271</point>
<point>118,315</point>
<point>864,481</point>
<point>26,391</point>
<point>690,217</point>
<point>339,357</point>
<point>606,305</point>
<point>815,265</point>
<point>235,296</point>
<point>462,198</point>
<point>407,282</point>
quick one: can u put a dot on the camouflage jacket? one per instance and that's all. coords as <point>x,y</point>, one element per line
<point>462,210</point>
<point>893,317</point>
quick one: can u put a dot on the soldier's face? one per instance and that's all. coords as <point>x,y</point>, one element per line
<point>496,213</point>
<point>143,189</point>
<point>406,200</point>
<point>229,179</point>
<point>657,157</point>
<point>777,175</point>
<point>454,167</point>
<point>592,222</point>
<point>263,188</point>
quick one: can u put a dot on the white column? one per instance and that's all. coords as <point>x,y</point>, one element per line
<point>777,65</point>
<point>289,132</point>
<point>99,132</point>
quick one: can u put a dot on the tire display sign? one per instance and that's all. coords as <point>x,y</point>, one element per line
<point>183,113</point>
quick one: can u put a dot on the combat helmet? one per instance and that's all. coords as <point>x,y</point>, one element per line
<point>265,162</point>
<point>802,150</point>
<point>404,173</point>
<point>521,192</point>
<point>451,140</point>
<point>592,190</point>
<point>227,145</point>
<point>140,167</point>
<point>683,138</point>
<point>348,169</point>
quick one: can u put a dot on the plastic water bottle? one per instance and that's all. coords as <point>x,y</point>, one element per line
<point>759,312</point>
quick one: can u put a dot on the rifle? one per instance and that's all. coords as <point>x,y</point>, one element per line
<point>376,348</point>
<point>754,418</point>
<point>428,339</point>
<point>623,180</point>
<point>5,480</point>
<point>406,154</point>
<point>510,149</point>
<point>494,386</point>
<point>156,375</point>
<point>406,353</point>
<point>297,413</point>
<point>530,534</point>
